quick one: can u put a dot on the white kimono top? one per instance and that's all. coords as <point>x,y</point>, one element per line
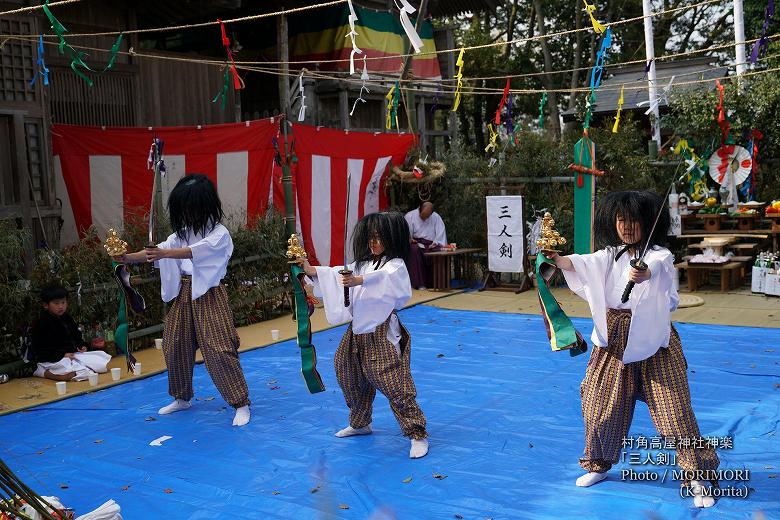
<point>600,280</point>
<point>431,228</point>
<point>383,291</point>
<point>208,265</point>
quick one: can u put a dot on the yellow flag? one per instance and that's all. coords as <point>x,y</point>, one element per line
<point>619,110</point>
<point>459,77</point>
<point>596,24</point>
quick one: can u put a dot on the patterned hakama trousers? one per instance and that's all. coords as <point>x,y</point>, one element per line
<point>205,323</point>
<point>610,390</point>
<point>369,362</point>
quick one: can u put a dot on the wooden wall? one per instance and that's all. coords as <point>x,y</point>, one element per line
<point>180,93</point>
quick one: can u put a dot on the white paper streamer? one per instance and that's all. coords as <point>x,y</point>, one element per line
<point>300,95</point>
<point>364,77</point>
<point>663,96</point>
<point>352,34</point>
<point>406,9</point>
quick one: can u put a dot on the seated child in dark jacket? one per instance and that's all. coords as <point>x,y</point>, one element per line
<point>59,349</point>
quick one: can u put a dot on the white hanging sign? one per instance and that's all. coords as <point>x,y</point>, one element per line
<point>505,233</point>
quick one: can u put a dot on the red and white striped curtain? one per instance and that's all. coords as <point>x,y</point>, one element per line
<point>102,177</point>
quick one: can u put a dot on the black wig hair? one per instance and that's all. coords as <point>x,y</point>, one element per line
<point>53,291</point>
<point>194,204</point>
<point>635,206</point>
<point>392,230</point>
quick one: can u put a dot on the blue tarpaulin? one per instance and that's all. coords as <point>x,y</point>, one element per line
<point>503,415</point>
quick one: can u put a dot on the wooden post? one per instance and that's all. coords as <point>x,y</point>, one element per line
<point>23,172</point>
<point>452,127</point>
<point>344,106</point>
<point>408,64</point>
<point>284,57</point>
<point>421,128</point>
<point>284,107</point>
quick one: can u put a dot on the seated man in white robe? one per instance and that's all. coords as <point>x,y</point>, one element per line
<point>428,234</point>
<point>57,344</point>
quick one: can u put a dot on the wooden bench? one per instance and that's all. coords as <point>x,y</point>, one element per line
<point>745,262</point>
<point>750,248</point>
<point>442,265</point>
<point>730,274</point>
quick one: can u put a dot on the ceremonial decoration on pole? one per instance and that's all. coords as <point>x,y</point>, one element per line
<point>304,308</point>
<point>585,161</point>
<point>730,166</point>
<point>723,121</point>
<point>697,186</point>
<point>584,193</point>
<point>560,329</point>
<point>748,188</point>
<point>116,248</point>
<point>76,57</point>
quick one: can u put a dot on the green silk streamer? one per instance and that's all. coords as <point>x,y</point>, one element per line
<point>77,57</point>
<point>560,329</point>
<point>541,109</point>
<point>308,353</point>
<point>224,92</point>
<point>122,329</point>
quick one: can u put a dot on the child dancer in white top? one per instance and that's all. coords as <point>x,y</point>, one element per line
<point>637,353</point>
<point>192,262</point>
<point>375,352</point>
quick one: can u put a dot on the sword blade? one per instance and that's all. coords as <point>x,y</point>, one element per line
<point>664,202</point>
<point>346,219</point>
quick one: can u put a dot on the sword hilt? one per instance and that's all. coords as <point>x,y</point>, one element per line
<point>639,265</point>
<point>346,289</point>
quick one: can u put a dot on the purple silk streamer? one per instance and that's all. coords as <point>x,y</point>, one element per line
<point>763,42</point>
<point>435,104</point>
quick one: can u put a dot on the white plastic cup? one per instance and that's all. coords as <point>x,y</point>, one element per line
<point>274,334</point>
<point>158,343</point>
<point>116,374</point>
<point>61,387</point>
<point>93,379</point>
<point>137,369</point>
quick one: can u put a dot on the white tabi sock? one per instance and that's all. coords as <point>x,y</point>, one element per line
<point>590,478</point>
<point>699,500</point>
<point>176,406</point>
<point>242,416</point>
<point>349,431</point>
<point>419,448</point>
